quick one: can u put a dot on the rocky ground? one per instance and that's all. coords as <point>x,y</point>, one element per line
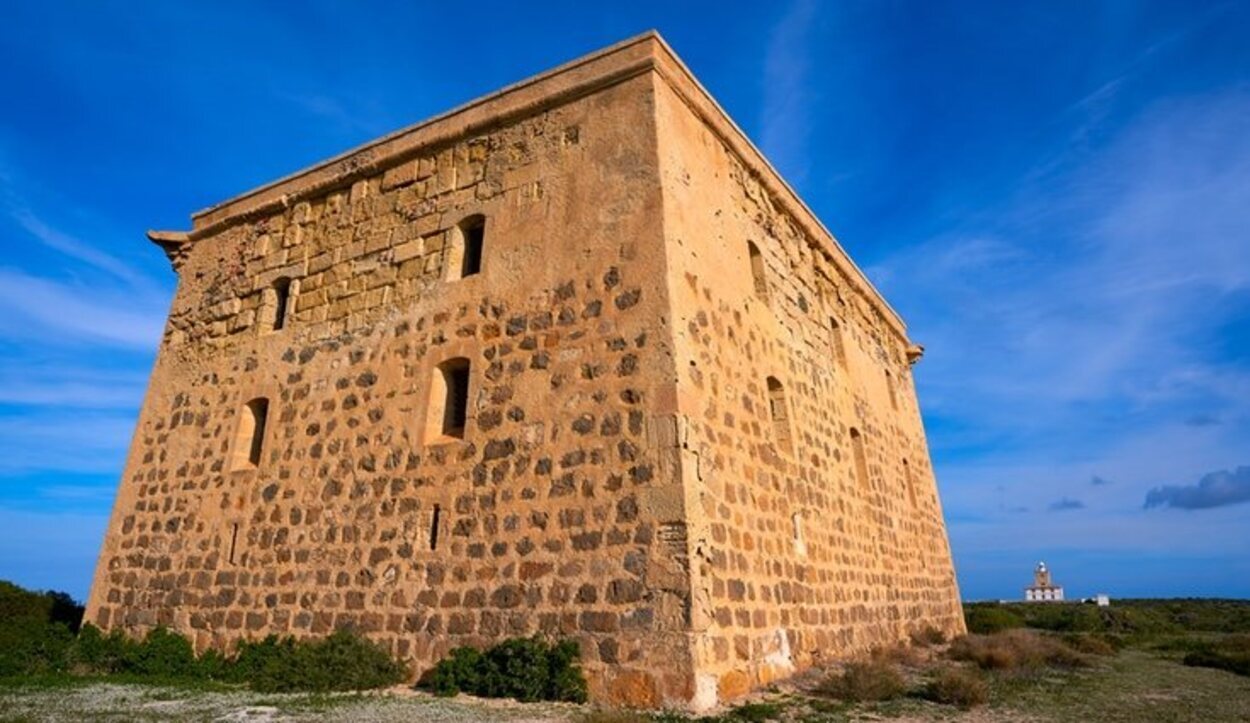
<point>1132,686</point>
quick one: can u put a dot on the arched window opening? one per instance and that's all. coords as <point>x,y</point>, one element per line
<point>250,438</point>
<point>796,523</point>
<point>778,412</point>
<point>911,484</point>
<point>757,270</point>
<point>281,303</point>
<point>889,384</point>
<point>465,255</point>
<point>449,400</point>
<point>835,342</point>
<point>861,459</point>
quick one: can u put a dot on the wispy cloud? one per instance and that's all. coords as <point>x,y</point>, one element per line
<point>39,382</point>
<point>1216,489</point>
<point>339,113</point>
<point>88,442</point>
<point>76,249</point>
<point>55,312</point>
<point>1065,504</point>
<point>1034,325</point>
<point>789,92</point>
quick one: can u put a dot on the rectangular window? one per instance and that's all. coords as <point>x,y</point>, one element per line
<point>835,341</point>
<point>281,302</point>
<point>757,270</point>
<point>448,411</point>
<point>249,440</point>
<point>464,254</point>
<point>778,412</point>
<point>861,460</point>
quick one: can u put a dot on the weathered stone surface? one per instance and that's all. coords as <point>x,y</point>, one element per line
<point>667,451</point>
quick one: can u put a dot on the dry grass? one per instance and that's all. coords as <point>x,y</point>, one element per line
<point>958,687</point>
<point>1016,650</point>
<point>865,681</point>
<point>928,636</point>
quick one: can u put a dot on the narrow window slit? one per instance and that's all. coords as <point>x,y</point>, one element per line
<point>234,539</point>
<point>434,520</point>
<point>281,303</point>
<point>757,270</point>
<point>861,460</point>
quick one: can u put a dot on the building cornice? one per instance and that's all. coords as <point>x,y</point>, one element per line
<point>584,76</point>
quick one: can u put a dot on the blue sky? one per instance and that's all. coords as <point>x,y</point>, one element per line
<point>1056,196</point>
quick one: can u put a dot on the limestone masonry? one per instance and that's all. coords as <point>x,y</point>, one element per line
<point>569,360</point>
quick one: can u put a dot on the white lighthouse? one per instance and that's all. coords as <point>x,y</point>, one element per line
<point>1043,588</point>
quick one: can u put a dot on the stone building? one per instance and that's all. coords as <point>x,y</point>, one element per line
<point>569,360</point>
<point>1043,588</point>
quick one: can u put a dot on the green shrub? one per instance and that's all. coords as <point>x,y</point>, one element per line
<point>1232,662</point>
<point>36,637</point>
<point>36,630</point>
<point>528,669</point>
<point>342,661</point>
<point>984,619</point>
<point>162,654</point>
<point>1092,643</point>
<point>863,681</point>
<point>1231,653</point>
<point>958,687</point>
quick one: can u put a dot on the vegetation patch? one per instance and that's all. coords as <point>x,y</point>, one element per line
<point>1231,653</point>
<point>959,687</point>
<point>38,645</point>
<point>342,661</point>
<point>527,669</point>
<point>865,681</point>
<point>1016,650</point>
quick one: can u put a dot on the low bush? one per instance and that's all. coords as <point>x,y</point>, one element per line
<point>1231,653</point>
<point>37,637</point>
<point>984,619</point>
<point>1015,650</point>
<point>864,681</point>
<point>1093,643</point>
<point>36,630</point>
<point>527,669</point>
<point>1232,662</point>
<point>342,661</point>
<point>958,687</point>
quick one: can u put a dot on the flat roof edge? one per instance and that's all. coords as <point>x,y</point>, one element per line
<point>575,78</point>
<point>679,77</point>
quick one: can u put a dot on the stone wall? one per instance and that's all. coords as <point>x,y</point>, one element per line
<point>556,512</point>
<point>799,559</point>
<point>668,452</point>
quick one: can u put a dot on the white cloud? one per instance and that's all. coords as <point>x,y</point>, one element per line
<point>788,94</point>
<point>55,441</point>
<point>55,312</point>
